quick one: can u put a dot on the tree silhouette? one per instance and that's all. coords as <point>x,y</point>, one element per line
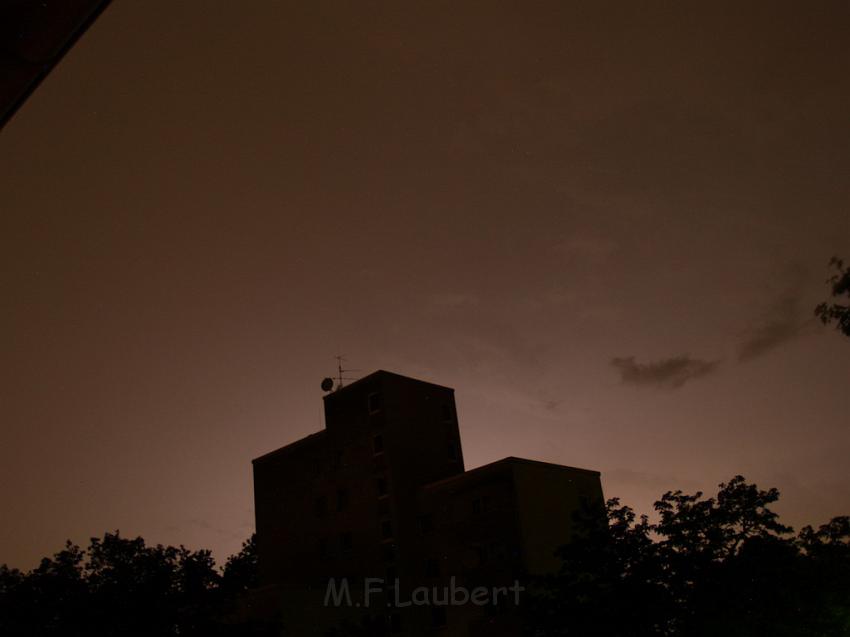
<point>826,575</point>
<point>121,586</point>
<point>722,565</point>
<point>240,571</point>
<point>608,584</point>
<point>829,312</point>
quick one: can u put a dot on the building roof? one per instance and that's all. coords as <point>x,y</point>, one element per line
<point>381,373</point>
<point>503,464</point>
<point>292,446</point>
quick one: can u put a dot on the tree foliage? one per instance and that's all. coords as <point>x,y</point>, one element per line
<point>240,571</point>
<point>839,313</point>
<point>707,566</point>
<point>121,586</point>
<point>721,565</point>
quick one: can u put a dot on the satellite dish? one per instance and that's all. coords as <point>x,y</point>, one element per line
<point>327,384</point>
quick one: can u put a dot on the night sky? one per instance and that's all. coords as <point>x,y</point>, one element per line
<point>606,225</point>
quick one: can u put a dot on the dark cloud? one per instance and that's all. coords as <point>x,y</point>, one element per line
<point>782,323</point>
<point>552,405</point>
<point>670,373</point>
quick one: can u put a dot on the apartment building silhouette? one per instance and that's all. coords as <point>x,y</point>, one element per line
<point>382,493</point>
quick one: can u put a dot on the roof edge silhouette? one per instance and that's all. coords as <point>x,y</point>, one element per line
<point>384,373</point>
<point>506,461</point>
<point>301,442</point>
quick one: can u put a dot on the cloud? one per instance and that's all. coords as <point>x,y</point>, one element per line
<point>551,405</point>
<point>782,323</point>
<point>669,373</point>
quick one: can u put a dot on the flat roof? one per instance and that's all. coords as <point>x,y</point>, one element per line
<point>312,438</point>
<point>384,373</point>
<point>505,462</point>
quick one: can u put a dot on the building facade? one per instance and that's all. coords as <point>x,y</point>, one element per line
<point>374,524</point>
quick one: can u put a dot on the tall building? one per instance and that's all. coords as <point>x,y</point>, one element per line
<point>34,36</point>
<point>374,520</point>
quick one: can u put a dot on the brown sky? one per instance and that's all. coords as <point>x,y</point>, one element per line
<point>604,224</point>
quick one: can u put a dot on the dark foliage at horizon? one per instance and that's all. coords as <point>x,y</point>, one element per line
<point>723,565</point>
<point>121,586</point>
<point>840,287</point>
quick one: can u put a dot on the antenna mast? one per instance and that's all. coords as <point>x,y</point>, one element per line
<point>341,372</point>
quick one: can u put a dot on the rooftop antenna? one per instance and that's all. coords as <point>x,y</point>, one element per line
<point>328,383</point>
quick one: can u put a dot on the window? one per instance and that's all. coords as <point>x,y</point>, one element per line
<point>499,551</point>
<point>389,551</point>
<point>346,542</point>
<point>452,450</point>
<point>375,403</point>
<point>381,485</point>
<point>432,567</point>
<point>378,444</point>
<point>438,616</point>
<point>480,505</point>
<point>426,523</point>
<point>482,554</point>
<point>341,499</point>
<point>321,506</point>
<point>386,529</point>
<point>448,416</point>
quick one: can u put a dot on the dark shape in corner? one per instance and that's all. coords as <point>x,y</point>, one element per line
<point>34,36</point>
